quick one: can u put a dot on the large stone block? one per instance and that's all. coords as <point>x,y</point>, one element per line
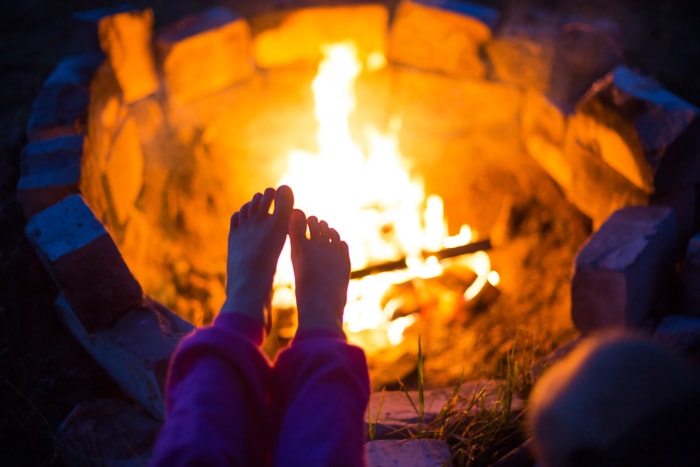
<point>124,172</point>
<point>682,334</point>
<point>299,35</point>
<point>596,188</point>
<point>624,269</point>
<point>543,132</point>
<point>205,53</point>
<point>85,28</point>
<point>61,106</point>
<point>683,201</point>
<point>135,350</point>
<point>50,170</point>
<point>442,36</point>
<point>641,130</point>
<point>449,106</point>
<point>84,262</point>
<point>554,54</point>
<point>126,39</point>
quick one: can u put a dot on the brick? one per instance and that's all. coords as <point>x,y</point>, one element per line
<point>624,269</point>
<point>135,350</point>
<point>84,262</point>
<point>205,53</point>
<point>126,39</point>
<point>60,107</point>
<point>690,277</point>
<point>287,37</point>
<point>423,452</point>
<point>50,169</point>
<point>441,36</point>
<point>641,130</point>
<point>681,333</point>
<point>124,172</point>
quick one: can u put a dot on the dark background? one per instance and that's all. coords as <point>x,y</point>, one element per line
<point>43,371</point>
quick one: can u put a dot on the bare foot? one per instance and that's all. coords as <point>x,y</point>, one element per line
<point>322,271</point>
<point>255,241</point>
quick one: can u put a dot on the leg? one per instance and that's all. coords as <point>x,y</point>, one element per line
<point>218,380</point>
<point>320,380</point>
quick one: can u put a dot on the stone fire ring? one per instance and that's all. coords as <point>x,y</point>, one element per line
<point>623,150</point>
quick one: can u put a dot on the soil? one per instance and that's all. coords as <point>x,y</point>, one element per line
<point>44,372</point>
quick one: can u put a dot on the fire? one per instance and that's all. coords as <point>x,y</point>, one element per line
<point>367,194</point>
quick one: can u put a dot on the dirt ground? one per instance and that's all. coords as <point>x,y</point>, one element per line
<point>43,370</point>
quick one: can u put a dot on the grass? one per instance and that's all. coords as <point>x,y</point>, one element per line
<point>478,432</point>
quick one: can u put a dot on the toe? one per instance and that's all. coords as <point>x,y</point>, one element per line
<point>325,230</point>
<point>297,225</point>
<point>314,228</point>
<point>235,220</point>
<point>284,202</point>
<point>244,212</point>
<point>266,201</point>
<point>255,204</point>
<point>335,236</point>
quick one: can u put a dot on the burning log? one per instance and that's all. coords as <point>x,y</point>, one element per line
<point>400,263</point>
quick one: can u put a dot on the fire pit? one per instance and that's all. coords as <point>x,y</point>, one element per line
<point>526,128</point>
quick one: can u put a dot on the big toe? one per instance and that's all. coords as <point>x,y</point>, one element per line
<point>284,203</point>
<point>297,225</point>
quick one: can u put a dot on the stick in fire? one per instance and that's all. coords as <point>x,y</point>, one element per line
<point>400,263</point>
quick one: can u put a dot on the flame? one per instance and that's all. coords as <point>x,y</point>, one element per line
<point>368,195</point>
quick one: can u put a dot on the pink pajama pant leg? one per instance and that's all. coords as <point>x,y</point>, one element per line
<point>319,395</point>
<point>217,398</point>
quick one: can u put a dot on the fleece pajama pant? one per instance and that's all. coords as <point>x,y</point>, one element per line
<point>228,405</point>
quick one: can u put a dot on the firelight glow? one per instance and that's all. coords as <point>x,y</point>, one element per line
<point>367,194</point>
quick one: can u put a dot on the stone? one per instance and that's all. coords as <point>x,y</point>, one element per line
<point>682,200</point>
<point>597,189</point>
<point>135,351</point>
<point>124,172</point>
<point>126,39</point>
<point>624,268</point>
<point>585,51</point>
<point>556,55</point>
<point>61,105</point>
<point>522,50</point>
<point>50,170</point>
<point>423,452</point>
<point>85,31</point>
<point>690,278</point>
<point>543,132</point>
<point>682,334</point>
<point>442,36</point>
<point>205,53</point>
<point>464,106</point>
<point>298,35</point>
<point>644,132</point>
<point>85,262</point>
<point>117,432</point>
<point>621,400</point>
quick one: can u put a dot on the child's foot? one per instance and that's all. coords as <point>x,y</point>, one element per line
<point>255,241</point>
<point>321,270</point>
